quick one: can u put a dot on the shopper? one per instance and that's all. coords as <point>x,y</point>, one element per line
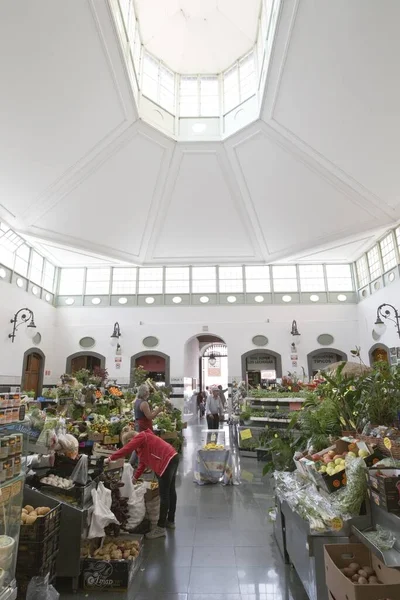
<point>222,395</point>
<point>163,459</point>
<point>213,409</point>
<point>200,404</point>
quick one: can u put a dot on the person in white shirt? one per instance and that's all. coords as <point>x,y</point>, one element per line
<point>213,409</point>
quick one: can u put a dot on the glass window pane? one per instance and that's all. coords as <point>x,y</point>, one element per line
<point>189,97</point>
<point>167,89</point>
<point>398,236</point>
<point>209,97</point>
<point>284,278</point>
<point>71,282</point>
<point>22,260</point>
<point>49,275</point>
<point>312,278</point>
<point>230,279</point>
<point>247,77</point>
<point>124,281</point>
<point>151,281</point>
<point>137,51</point>
<point>257,279</point>
<point>177,280</point>
<point>204,280</point>
<point>231,88</point>
<point>388,252</point>
<point>150,77</point>
<point>339,278</point>
<point>375,269</point>
<point>362,271</point>
<point>9,242</point>
<point>36,268</point>
<point>97,281</point>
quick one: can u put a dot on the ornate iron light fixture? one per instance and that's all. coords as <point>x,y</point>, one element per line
<point>390,313</point>
<point>25,315</point>
<point>212,360</point>
<point>116,334</point>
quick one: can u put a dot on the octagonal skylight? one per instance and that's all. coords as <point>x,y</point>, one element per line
<point>197,67</point>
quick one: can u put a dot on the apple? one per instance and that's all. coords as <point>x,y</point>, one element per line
<point>338,461</point>
<point>316,457</point>
<point>337,456</point>
<point>331,453</point>
<point>352,454</point>
<point>363,453</point>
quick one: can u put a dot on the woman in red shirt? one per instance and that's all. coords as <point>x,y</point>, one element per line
<point>163,459</point>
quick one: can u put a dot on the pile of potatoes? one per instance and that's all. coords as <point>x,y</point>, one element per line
<point>360,575</point>
<point>30,514</point>
<point>118,550</point>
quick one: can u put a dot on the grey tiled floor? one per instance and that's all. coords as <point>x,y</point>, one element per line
<point>222,548</point>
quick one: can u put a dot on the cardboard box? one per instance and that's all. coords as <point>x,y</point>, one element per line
<point>385,488</point>
<point>388,502</point>
<point>95,437</point>
<point>341,587</point>
<point>169,435</point>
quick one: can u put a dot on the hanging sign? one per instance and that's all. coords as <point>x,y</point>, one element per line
<point>388,443</point>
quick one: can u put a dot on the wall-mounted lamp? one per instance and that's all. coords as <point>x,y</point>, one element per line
<point>390,313</point>
<point>25,315</point>
<point>212,360</point>
<point>116,334</point>
<point>295,334</point>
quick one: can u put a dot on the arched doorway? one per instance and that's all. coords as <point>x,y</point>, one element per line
<point>156,363</point>
<point>261,367</point>
<point>33,371</point>
<point>84,360</point>
<point>214,365</point>
<point>195,371</point>
<point>379,353</point>
<point>322,358</point>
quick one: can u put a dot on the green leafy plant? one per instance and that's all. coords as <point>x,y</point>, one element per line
<point>139,376</point>
<point>380,394</point>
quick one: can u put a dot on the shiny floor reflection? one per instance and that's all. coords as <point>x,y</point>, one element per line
<point>223,547</point>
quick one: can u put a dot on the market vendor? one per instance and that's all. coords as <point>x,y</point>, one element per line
<point>155,454</point>
<point>143,414</point>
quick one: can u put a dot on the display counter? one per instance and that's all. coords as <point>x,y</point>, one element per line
<point>305,550</point>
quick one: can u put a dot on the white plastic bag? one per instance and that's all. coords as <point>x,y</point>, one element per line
<point>81,471</point>
<point>101,514</point>
<point>39,589</point>
<point>126,479</point>
<point>136,505</point>
<point>153,510</point>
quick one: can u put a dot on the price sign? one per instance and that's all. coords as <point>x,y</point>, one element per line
<point>388,443</point>
<point>246,434</point>
<point>336,524</point>
<point>213,437</point>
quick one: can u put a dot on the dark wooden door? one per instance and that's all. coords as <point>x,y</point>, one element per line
<point>32,373</point>
<point>84,362</point>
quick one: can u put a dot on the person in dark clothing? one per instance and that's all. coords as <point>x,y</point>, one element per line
<point>143,414</point>
<point>200,404</point>
<point>213,409</point>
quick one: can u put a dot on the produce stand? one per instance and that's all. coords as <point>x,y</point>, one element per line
<point>13,444</point>
<point>306,549</point>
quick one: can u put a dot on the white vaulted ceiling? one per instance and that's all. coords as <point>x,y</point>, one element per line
<point>316,179</point>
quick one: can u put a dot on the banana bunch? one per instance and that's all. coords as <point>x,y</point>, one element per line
<point>213,446</point>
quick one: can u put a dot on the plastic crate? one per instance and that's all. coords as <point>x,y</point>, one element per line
<point>23,578</point>
<point>35,554</point>
<point>43,527</point>
<point>248,444</point>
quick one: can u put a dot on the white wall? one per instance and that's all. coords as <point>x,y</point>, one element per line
<point>174,326</point>
<point>11,354</point>
<point>367,316</point>
<point>62,328</point>
<point>191,359</point>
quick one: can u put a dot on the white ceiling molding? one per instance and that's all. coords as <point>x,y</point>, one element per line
<point>200,178</point>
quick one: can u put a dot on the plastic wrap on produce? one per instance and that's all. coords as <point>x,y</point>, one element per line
<point>348,500</point>
<point>304,499</point>
<point>210,466</point>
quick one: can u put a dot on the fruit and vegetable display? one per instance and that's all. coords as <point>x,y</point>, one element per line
<point>29,515</point>
<point>361,575</point>
<point>213,446</point>
<point>112,549</point>
<point>59,482</point>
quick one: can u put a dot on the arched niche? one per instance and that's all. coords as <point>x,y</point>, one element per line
<point>84,360</point>
<point>378,352</point>
<point>33,371</point>
<point>272,359</point>
<point>135,361</point>
<point>323,357</point>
